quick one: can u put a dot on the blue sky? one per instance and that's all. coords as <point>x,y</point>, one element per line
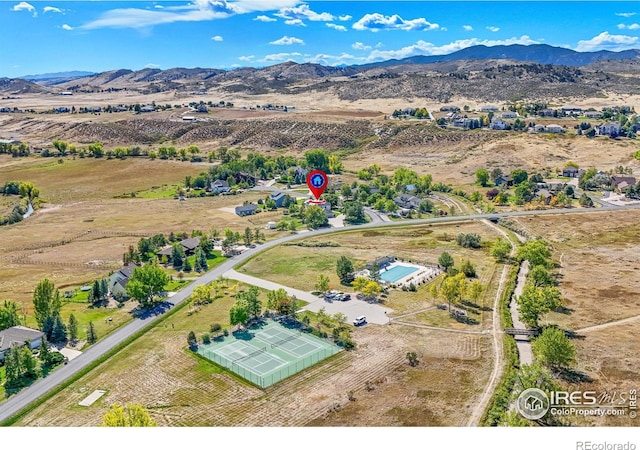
<point>52,36</point>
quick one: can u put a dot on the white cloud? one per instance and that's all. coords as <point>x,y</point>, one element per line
<point>196,11</point>
<point>246,58</point>
<point>376,22</point>
<point>494,29</point>
<point>626,14</point>
<point>217,38</point>
<point>633,26</point>
<point>24,6</point>
<point>325,59</point>
<point>336,27</point>
<point>67,27</point>
<point>467,27</point>
<point>158,6</point>
<point>606,41</point>
<point>286,40</point>
<point>152,66</point>
<point>379,45</point>
<point>360,46</point>
<point>263,18</point>
<point>278,57</point>
<point>303,12</point>
<point>427,48</point>
<point>295,22</point>
<point>47,9</point>
<point>344,18</point>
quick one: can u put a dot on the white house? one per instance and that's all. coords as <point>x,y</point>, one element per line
<point>554,128</point>
<point>608,129</point>
<point>509,115</point>
<point>19,335</point>
<point>498,124</point>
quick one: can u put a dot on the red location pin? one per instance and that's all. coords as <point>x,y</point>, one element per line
<point>317,181</point>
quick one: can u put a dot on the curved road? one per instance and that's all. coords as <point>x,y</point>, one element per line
<point>24,398</point>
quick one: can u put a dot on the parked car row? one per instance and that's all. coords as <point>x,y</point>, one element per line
<point>337,296</point>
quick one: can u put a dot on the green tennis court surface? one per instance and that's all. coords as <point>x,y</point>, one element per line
<point>267,353</point>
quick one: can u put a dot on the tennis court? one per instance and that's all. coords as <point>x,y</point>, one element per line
<point>268,353</point>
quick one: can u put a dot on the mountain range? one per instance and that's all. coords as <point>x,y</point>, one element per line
<point>538,71</point>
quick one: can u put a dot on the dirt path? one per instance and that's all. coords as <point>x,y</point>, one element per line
<point>608,324</point>
<point>498,364</point>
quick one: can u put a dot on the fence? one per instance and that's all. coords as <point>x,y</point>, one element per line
<point>267,379</point>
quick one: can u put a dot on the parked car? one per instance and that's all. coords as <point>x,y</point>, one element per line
<point>360,320</point>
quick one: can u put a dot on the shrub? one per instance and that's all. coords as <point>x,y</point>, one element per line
<point>468,240</point>
<point>206,339</point>
<point>215,327</point>
<point>225,332</point>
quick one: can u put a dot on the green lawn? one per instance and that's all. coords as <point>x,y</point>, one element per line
<point>214,260</point>
<point>86,313</point>
<point>175,285</point>
<point>164,191</point>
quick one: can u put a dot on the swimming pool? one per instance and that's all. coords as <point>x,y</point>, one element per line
<point>397,273</point>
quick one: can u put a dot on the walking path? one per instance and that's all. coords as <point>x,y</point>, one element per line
<point>607,325</point>
<point>523,342</point>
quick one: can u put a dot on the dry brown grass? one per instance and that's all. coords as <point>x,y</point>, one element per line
<point>600,283</point>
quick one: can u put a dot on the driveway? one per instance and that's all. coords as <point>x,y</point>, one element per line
<point>352,308</point>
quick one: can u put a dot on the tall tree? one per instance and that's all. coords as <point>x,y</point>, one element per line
<point>344,269</point>
<point>537,301</point>
<point>500,250</point>
<point>9,314</point>
<point>554,349</point>
<point>238,313</point>
<point>177,256</point>
<point>315,217</point>
<point>248,236</point>
<point>446,261</point>
<point>250,297</point>
<point>45,353</point>
<point>92,336</point>
<point>73,328</point>
<point>322,283</point>
<point>145,283</point>
<point>59,333</point>
<point>536,252</point>
<point>482,177</point>
<point>130,415</point>
<point>374,272</point>
<point>46,301</point>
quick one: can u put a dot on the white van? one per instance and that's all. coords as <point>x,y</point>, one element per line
<point>360,320</point>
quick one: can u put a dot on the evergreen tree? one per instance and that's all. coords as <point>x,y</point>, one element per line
<point>186,265</point>
<point>374,273</point>
<point>73,328</point>
<point>28,362</point>
<point>177,256</point>
<point>104,288</point>
<point>344,269</point>
<point>92,336</point>
<point>44,351</point>
<point>95,291</point>
<point>59,333</point>
<point>13,367</point>
<point>47,327</point>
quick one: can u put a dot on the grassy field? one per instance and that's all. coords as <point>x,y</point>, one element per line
<point>298,266</point>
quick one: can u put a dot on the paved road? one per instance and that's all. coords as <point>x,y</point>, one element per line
<point>351,308</point>
<point>27,396</point>
<point>522,342</point>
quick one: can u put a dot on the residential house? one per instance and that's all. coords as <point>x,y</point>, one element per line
<point>553,128</point>
<point>147,108</point>
<point>117,282</point>
<point>622,183</point>
<point>410,188</point>
<point>19,336</point>
<point>279,198</point>
<point>547,113</point>
<point>489,108</point>
<point>220,186</point>
<point>509,115</point>
<point>571,110</point>
<point>189,245</point>
<point>246,210</point>
<point>571,172</point>
<point>544,195</point>
<point>449,108</point>
<point>608,129</point>
<point>324,205</point>
<point>504,179</point>
<point>243,177</point>
<point>497,124</point>
<point>406,201</point>
<point>593,114</point>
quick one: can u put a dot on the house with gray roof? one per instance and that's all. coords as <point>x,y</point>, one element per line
<point>19,336</point>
